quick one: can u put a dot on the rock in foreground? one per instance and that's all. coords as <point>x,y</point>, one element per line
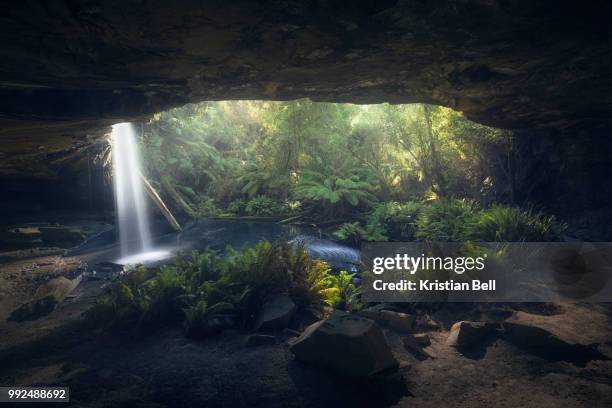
<point>276,313</point>
<point>46,298</point>
<point>399,322</point>
<point>465,334</point>
<point>548,345</point>
<point>345,343</point>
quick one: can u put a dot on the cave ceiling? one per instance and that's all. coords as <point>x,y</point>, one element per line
<point>69,69</point>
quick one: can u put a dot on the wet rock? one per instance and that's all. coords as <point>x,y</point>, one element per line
<point>34,310</point>
<point>46,298</point>
<point>397,321</point>
<point>422,339</point>
<point>466,334</point>
<point>256,340</point>
<point>427,323</point>
<point>61,236</point>
<point>548,345</point>
<point>276,313</point>
<point>413,344</point>
<point>345,343</point>
<point>21,237</point>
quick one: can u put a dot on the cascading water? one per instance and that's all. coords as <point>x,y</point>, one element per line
<point>132,211</point>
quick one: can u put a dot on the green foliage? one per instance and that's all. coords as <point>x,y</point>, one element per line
<point>353,233</point>
<point>204,290</point>
<point>510,224</point>
<point>310,280</point>
<point>263,206</point>
<point>207,208</point>
<point>162,298</point>
<point>335,193</point>
<point>341,293</point>
<point>395,220</point>
<point>200,318</point>
<point>445,220</point>
<point>237,207</point>
<point>335,162</point>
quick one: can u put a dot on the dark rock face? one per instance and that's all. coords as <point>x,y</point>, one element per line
<point>71,69</point>
<point>519,63</point>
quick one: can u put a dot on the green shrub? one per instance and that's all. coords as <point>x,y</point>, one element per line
<point>202,320</point>
<point>510,224</point>
<point>237,207</point>
<point>445,220</point>
<point>350,232</point>
<point>341,293</point>
<point>353,233</point>
<point>395,220</point>
<point>263,206</point>
<point>309,279</point>
<point>204,290</point>
<point>162,298</point>
<point>207,207</point>
<point>200,267</point>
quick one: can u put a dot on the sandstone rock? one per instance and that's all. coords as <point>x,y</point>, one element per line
<point>58,288</point>
<point>465,334</point>
<point>414,345</point>
<point>61,236</point>
<point>21,237</point>
<point>400,322</point>
<point>427,323</point>
<point>46,298</point>
<point>422,339</point>
<point>345,343</point>
<point>276,313</point>
<point>256,340</point>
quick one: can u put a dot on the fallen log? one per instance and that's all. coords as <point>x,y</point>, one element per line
<point>160,204</point>
<point>169,189</point>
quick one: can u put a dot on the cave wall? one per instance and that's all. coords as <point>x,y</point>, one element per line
<point>567,174</point>
<point>508,63</point>
<point>71,68</point>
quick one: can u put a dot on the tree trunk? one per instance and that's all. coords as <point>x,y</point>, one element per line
<point>160,204</point>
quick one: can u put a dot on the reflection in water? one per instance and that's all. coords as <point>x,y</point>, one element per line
<point>218,234</point>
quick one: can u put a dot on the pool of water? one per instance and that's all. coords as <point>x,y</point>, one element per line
<point>218,235</point>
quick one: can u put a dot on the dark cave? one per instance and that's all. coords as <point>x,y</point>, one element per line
<point>297,132</point>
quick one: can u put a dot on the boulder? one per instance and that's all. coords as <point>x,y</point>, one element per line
<point>427,323</point>
<point>397,321</point>
<point>21,237</point>
<point>465,334</point>
<point>411,343</point>
<point>256,340</point>
<point>276,313</point>
<point>542,342</point>
<point>61,236</point>
<point>345,343</point>
<point>422,339</point>
<point>46,298</point>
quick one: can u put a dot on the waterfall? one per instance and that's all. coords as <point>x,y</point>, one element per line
<point>132,213</point>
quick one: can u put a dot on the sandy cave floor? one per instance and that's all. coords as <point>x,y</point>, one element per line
<point>165,369</point>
